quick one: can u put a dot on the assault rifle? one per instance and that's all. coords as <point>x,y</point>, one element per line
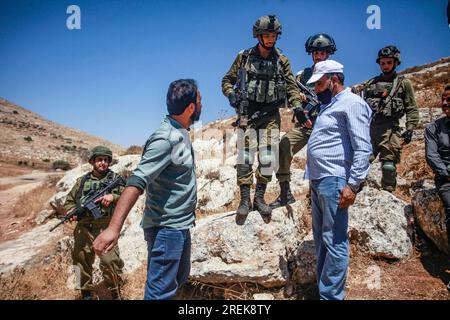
<point>89,204</point>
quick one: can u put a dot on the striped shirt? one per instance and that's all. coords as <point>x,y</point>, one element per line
<point>340,141</point>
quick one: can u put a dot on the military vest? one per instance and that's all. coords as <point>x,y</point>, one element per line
<point>385,98</point>
<point>265,81</point>
<point>89,184</point>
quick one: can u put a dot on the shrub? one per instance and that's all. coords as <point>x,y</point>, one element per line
<point>133,150</point>
<point>61,164</point>
<point>28,139</point>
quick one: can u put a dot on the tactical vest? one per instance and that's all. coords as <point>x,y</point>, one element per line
<point>265,81</point>
<point>385,98</point>
<point>88,184</point>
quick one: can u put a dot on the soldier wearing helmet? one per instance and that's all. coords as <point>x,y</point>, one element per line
<point>87,229</point>
<point>320,46</point>
<point>269,84</point>
<point>391,97</point>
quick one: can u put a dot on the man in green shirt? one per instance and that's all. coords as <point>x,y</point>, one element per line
<point>166,173</point>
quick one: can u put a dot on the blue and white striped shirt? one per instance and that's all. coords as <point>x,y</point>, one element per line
<point>340,141</point>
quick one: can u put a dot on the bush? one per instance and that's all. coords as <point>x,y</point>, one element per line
<point>29,139</point>
<point>133,150</point>
<point>61,164</point>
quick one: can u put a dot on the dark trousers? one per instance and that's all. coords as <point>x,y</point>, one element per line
<point>443,188</point>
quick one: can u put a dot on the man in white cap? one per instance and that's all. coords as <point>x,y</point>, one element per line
<point>337,164</point>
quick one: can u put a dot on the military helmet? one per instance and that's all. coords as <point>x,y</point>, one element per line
<point>320,42</point>
<point>100,151</point>
<point>389,52</point>
<point>266,24</point>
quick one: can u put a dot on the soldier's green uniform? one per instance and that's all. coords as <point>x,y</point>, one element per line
<point>87,229</point>
<point>391,97</point>
<point>296,138</point>
<point>270,83</point>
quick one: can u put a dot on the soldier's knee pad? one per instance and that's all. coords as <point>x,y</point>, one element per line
<point>266,158</point>
<point>389,166</point>
<point>389,172</point>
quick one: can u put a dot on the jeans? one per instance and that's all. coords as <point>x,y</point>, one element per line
<point>330,224</point>
<point>168,262</point>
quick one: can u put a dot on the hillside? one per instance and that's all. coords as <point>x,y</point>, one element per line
<point>29,139</point>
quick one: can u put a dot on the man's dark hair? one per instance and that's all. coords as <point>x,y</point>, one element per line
<point>340,77</point>
<point>181,93</point>
<point>447,87</point>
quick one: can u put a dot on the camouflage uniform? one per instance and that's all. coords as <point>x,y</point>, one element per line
<point>87,229</point>
<point>385,129</point>
<point>296,138</point>
<point>262,92</point>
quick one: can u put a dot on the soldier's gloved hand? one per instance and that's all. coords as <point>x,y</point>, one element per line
<point>302,117</point>
<point>407,136</point>
<point>232,99</point>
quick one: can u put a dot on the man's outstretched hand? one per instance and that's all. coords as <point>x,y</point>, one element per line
<point>105,241</point>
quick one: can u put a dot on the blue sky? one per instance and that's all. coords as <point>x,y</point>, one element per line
<point>110,78</point>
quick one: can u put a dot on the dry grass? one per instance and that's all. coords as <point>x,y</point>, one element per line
<point>134,149</point>
<point>32,202</point>
<point>34,284</point>
<point>4,187</point>
<point>11,170</point>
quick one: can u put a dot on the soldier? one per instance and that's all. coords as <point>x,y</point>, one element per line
<point>320,46</point>
<point>391,97</point>
<point>87,229</point>
<point>268,83</point>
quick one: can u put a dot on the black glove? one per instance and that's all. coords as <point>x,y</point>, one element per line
<point>232,99</point>
<point>300,115</point>
<point>407,136</point>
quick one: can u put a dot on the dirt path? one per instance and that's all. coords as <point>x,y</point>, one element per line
<point>12,224</point>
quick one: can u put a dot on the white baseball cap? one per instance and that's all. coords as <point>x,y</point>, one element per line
<point>323,67</point>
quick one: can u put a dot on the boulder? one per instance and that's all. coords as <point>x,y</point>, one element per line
<point>381,224</point>
<point>258,252</point>
<point>429,214</point>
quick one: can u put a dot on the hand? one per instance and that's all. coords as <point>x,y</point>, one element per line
<point>106,200</point>
<point>302,117</point>
<point>407,136</point>
<point>347,197</point>
<point>303,97</point>
<point>308,124</point>
<point>232,99</point>
<point>105,241</point>
<point>73,218</point>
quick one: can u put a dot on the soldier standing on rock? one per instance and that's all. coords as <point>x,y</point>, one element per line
<point>320,47</point>
<point>265,75</point>
<point>437,153</point>
<point>391,97</point>
<point>88,229</point>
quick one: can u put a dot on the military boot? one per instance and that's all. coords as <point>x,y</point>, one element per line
<point>259,203</point>
<point>244,204</point>
<point>285,196</point>
<point>389,176</point>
